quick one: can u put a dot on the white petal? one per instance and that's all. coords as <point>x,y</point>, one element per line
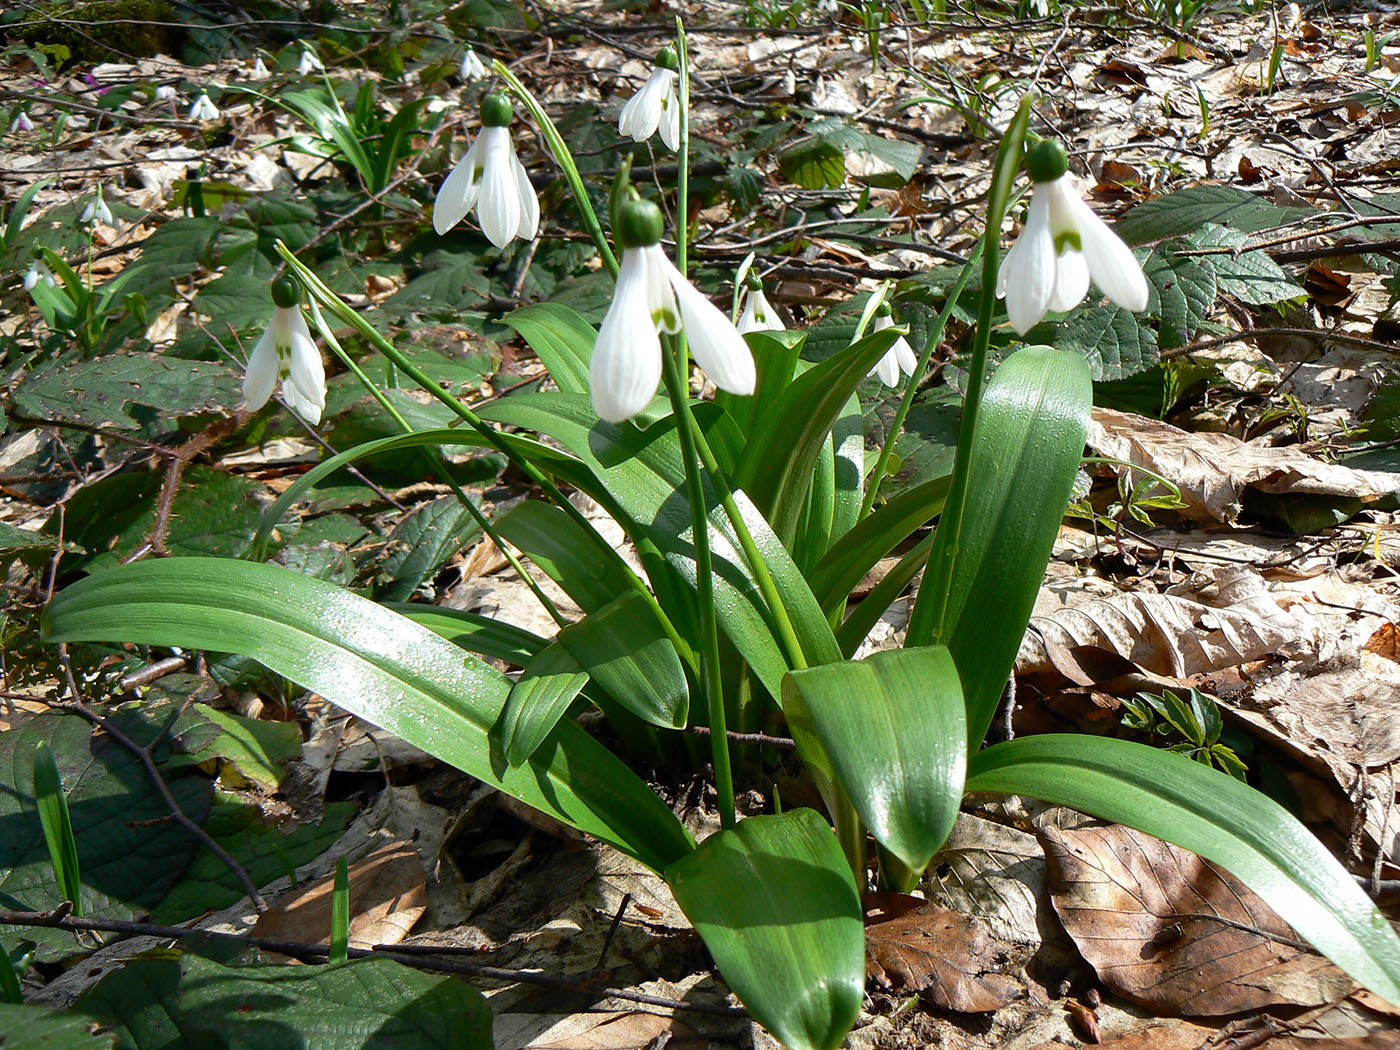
<point>748,320</point>
<point>459,190</point>
<point>887,368</point>
<point>263,366</point>
<point>1071,281</point>
<point>1005,267</point>
<point>472,67</point>
<point>1111,262</point>
<point>1030,273</point>
<point>498,206</point>
<point>641,115</point>
<point>661,300</point>
<point>626,366</point>
<point>669,123</point>
<point>758,315</point>
<point>904,355</point>
<point>259,70</point>
<point>717,345</point>
<point>529,200</point>
<point>302,403</point>
<point>104,213</point>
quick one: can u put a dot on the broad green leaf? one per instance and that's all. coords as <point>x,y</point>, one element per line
<point>474,632</point>
<point>1182,213</point>
<point>1025,452</point>
<point>813,164</point>
<point>1182,291</point>
<point>366,1004</point>
<point>557,544</point>
<point>1216,816</point>
<point>537,701</point>
<point>130,392</point>
<point>894,728</point>
<point>422,540</point>
<point>258,749</point>
<point>775,356</point>
<point>561,339</point>
<point>848,461</point>
<point>862,620</point>
<point>1251,277</point>
<point>624,649</point>
<point>1108,337</point>
<point>52,806</point>
<point>43,1028</point>
<point>776,904</point>
<point>374,663</point>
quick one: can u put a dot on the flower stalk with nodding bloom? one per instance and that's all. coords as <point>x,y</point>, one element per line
<point>22,122</point>
<point>490,179</point>
<point>204,109</point>
<point>310,62</point>
<point>653,297</point>
<point>758,314</point>
<point>287,352</point>
<point>898,358</point>
<point>97,211</point>
<point>656,107</point>
<point>1062,246</point>
<point>472,67</point>
<point>259,69</point>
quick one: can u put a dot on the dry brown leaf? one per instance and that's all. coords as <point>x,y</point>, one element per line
<point>1170,1034</point>
<point>629,1030</point>
<point>1173,932</point>
<point>1163,633</point>
<point>949,957</point>
<point>996,873</point>
<point>388,895</point>
<point>1213,470</point>
<point>1379,1041</point>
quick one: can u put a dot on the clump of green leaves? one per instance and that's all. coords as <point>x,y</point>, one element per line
<point>1196,718</point>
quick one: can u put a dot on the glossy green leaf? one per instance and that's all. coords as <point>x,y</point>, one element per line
<point>624,650</point>
<point>381,666</point>
<point>1026,449</point>
<point>557,544</point>
<point>776,904</point>
<point>340,913</point>
<point>894,729</point>
<point>861,621</point>
<point>537,701</point>
<point>474,632</point>
<point>561,339</point>
<point>52,805</point>
<point>775,356</point>
<point>1216,816</point>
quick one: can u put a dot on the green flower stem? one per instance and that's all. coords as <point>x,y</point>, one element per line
<point>683,161</point>
<point>313,284</point>
<point>712,683</point>
<point>897,424</point>
<point>928,621</point>
<point>565,160</point>
<point>436,464</point>
<point>850,833</point>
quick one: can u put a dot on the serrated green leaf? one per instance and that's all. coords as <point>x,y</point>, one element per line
<point>131,392</point>
<point>450,281</point>
<point>775,902</point>
<point>1183,212</point>
<point>1110,339</point>
<point>257,749</point>
<point>1182,291</point>
<point>422,540</point>
<point>1251,277</point>
<point>903,157</point>
<point>16,539</point>
<point>237,301</point>
<point>813,164</point>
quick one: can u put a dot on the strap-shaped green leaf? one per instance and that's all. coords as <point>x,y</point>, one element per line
<point>775,355</point>
<point>1216,816</point>
<point>894,729</point>
<point>52,804</point>
<point>560,338</point>
<point>776,904</point>
<point>537,701</point>
<point>557,544</point>
<point>378,665</point>
<point>474,632</point>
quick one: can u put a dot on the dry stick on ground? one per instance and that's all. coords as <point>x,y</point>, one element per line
<point>417,956</point>
<point>1318,334</point>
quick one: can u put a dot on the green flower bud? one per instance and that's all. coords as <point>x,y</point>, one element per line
<point>1046,161</point>
<point>639,224</point>
<point>666,58</point>
<point>496,110</point>
<point>286,293</point>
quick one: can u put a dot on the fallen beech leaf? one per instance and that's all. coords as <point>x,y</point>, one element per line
<point>1385,643</point>
<point>630,1030</point>
<point>388,895</point>
<point>1169,1034</point>
<point>950,957</point>
<point>1173,932</point>
<point>1085,1020</point>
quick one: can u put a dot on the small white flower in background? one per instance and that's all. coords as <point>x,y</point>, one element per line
<point>287,352</point>
<point>758,314</point>
<point>37,272</point>
<point>97,211</point>
<point>165,93</point>
<point>830,8</point>
<point>309,63</point>
<point>472,67</point>
<point>259,70</point>
<point>898,358</point>
<point>204,109</point>
<point>491,179</point>
<point>22,122</point>
<point>651,297</point>
<point>1062,246</point>
<point>656,107</point>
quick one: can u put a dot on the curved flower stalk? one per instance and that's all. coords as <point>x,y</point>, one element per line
<point>758,314</point>
<point>490,179</point>
<point>204,109</point>
<point>656,107</point>
<point>21,122</point>
<point>652,297</point>
<point>97,211</point>
<point>472,67</point>
<point>287,352</point>
<point>1062,246</point>
<point>899,358</point>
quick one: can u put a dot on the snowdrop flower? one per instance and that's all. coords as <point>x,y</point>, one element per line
<point>758,314</point>
<point>259,70</point>
<point>829,8</point>
<point>656,107</point>
<point>1062,246</point>
<point>472,67</point>
<point>165,93</point>
<point>287,352</point>
<point>21,123</point>
<point>203,109</point>
<point>491,179</point>
<point>97,211</point>
<point>899,358</point>
<point>37,272</point>
<point>309,62</point>
<point>651,297</point>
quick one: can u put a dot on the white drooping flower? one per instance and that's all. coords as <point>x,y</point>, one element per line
<point>37,272</point>
<point>97,211</point>
<point>758,314</point>
<point>472,68</point>
<point>830,8</point>
<point>287,352</point>
<point>22,122</point>
<point>165,93</point>
<point>656,107</point>
<point>652,297</point>
<point>259,70</point>
<point>204,109</point>
<point>1062,246</point>
<point>898,358</point>
<point>490,179</point>
<point>309,63</point>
